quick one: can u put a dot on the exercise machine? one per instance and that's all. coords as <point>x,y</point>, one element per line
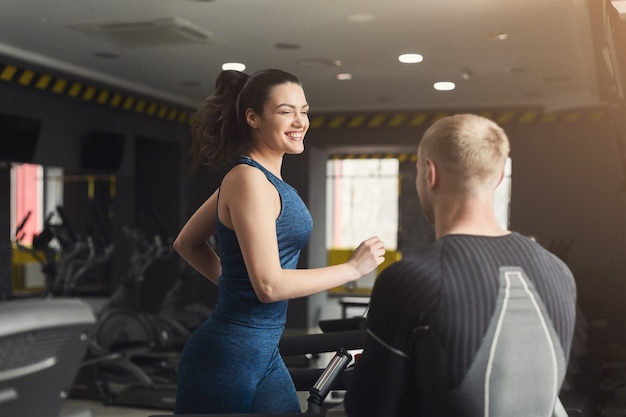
<point>122,321</point>
<point>317,393</point>
<point>320,382</point>
<point>41,250</point>
<point>42,342</point>
<point>79,255</point>
<point>64,257</point>
<point>178,302</point>
<point>133,357</point>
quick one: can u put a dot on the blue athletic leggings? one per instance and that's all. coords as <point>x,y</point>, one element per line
<point>228,368</point>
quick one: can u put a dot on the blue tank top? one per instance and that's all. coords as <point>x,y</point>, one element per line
<point>237,302</point>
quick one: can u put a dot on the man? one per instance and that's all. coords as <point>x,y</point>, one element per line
<point>481,322</point>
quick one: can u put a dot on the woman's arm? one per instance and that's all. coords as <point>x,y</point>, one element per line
<point>250,204</point>
<point>191,243</point>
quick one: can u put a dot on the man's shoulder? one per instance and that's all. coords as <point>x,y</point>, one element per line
<point>405,290</point>
<point>409,266</point>
<point>420,270</point>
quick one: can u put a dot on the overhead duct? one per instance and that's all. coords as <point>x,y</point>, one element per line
<point>147,33</point>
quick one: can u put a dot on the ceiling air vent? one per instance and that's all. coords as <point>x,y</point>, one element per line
<point>318,62</point>
<point>145,33</point>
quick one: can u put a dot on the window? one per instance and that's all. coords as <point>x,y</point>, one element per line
<point>362,201</point>
<point>35,190</point>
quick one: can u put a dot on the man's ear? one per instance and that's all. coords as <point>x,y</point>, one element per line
<point>432,174</point>
<point>501,178</point>
<point>252,118</point>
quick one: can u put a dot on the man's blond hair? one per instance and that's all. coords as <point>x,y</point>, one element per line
<point>470,149</point>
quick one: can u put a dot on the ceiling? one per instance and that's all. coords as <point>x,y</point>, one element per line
<point>174,49</point>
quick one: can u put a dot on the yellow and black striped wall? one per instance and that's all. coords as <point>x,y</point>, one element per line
<point>377,135</point>
<point>424,118</point>
<point>90,92</point>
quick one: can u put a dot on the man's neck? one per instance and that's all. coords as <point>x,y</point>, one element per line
<point>470,217</point>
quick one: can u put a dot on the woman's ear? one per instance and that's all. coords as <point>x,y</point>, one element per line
<point>251,118</point>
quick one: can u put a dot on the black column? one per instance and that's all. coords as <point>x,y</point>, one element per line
<point>415,232</point>
<point>6,254</point>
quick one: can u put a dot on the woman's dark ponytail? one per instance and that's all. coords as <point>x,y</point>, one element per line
<point>217,137</point>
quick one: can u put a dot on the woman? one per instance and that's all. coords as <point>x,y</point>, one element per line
<point>231,363</point>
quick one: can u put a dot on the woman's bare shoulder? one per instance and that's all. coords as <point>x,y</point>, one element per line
<point>242,175</point>
<point>246,182</point>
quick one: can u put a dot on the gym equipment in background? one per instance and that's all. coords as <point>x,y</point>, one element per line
<point>64,256</point>
<point>133,356</point>
<point>42,342</point>
<point>122,320</point>
<point>180,301</point>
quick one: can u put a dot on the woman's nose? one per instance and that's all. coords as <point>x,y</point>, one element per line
<point>299,119</point>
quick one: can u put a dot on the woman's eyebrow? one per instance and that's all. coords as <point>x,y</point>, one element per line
<point>290,105</point>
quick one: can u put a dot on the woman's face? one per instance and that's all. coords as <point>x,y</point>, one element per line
<point>284,121</point>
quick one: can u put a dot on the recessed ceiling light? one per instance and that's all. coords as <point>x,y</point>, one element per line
<point>444,86</point>
<point>344,76</point>
<point>234,66</point>
<point>410,58</point>
<point>361,17</point>
<point>497,35</point>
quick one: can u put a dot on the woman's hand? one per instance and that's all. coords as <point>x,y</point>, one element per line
<point>367,256</point>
